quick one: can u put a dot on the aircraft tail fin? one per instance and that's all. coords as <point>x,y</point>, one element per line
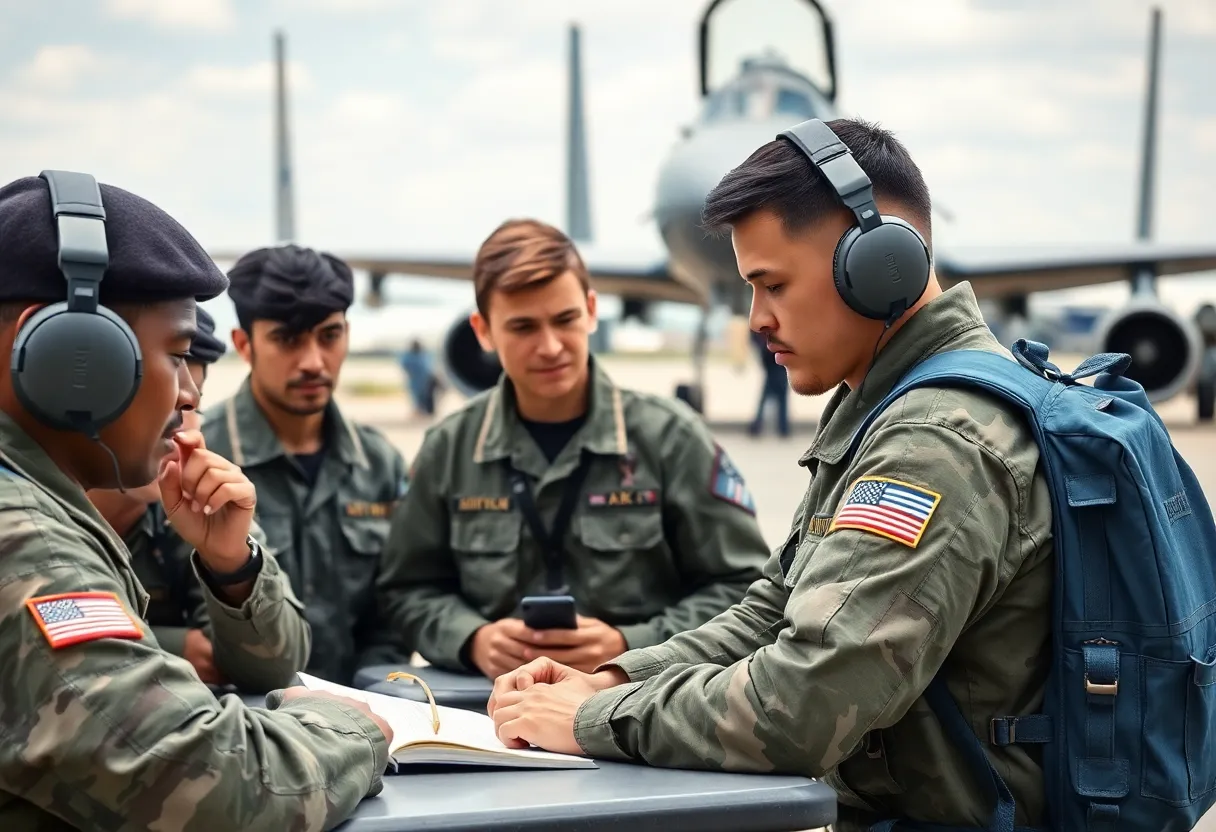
<point>284,187</point>
<point>578,197</point>
<point>1145,279</point>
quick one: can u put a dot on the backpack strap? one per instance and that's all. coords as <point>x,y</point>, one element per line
<point>1031,391</point>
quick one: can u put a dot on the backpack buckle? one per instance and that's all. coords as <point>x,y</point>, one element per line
<point>1099,689</point>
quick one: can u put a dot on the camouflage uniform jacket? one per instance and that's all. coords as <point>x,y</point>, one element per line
<point>662,537</point>
<point>327,538</point>
<point>265,650</point>
<point>931,552</point>
<point>105,730</point>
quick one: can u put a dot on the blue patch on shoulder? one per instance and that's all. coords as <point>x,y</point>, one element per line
<point>726,483</point>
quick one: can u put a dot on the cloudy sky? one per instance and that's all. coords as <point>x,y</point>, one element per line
<point>425,124</point>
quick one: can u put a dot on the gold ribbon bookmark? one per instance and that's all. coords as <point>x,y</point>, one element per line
<point>397,674</point>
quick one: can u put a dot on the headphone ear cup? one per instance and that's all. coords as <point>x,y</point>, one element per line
<point>76,370</point>
<point>882,271</point>
<point>845,280</point>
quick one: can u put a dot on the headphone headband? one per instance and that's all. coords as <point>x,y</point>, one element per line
<point>881,264</point>
<point>81,220</point>
<point>833,159</point>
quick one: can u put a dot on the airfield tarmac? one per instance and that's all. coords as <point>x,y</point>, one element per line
<point>371,390</point>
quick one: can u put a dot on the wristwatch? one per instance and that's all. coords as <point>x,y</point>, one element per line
<point>247,572</point>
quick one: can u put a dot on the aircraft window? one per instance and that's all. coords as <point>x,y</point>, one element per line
<point>794,103</point>
<point>725,104</point>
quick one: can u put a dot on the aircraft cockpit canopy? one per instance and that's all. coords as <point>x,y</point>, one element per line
<point>764,98</point>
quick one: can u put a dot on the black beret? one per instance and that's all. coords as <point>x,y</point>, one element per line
<point>152,257</point>
<point>290,284</point>
<point>205,348</point>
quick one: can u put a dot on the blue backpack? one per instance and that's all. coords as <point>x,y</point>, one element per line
<point>1129,718</point>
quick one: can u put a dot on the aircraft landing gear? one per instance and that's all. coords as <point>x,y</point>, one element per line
<point>694,394</point>
<point>1205,388</point>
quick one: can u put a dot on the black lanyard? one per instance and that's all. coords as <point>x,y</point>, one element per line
<point>551,541</point>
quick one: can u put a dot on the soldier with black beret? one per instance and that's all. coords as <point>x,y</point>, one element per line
<point>257,652</point>
<point>326,484</point>
<point>102,726</point>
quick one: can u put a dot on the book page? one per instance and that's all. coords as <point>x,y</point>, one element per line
<point>411,723</point>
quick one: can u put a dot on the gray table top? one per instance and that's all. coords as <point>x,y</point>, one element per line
<point>615,796</point>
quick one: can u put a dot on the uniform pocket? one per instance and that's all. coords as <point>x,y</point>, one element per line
<point>626,563</point>
<point>364,538</point>
<point>485,546</point>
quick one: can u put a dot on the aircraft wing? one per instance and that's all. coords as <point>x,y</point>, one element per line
<point>997,273</point>
<point>645,278</point>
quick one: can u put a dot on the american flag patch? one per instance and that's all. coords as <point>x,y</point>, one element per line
<point>75,617</point>
<point>892,509</point>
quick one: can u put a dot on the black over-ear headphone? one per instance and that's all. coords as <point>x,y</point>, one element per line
<point>881,265</point>
<point>76,365</point>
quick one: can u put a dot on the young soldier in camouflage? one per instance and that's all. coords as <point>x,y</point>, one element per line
<point>256,652</point>
<point>326,485</point>
<point>102,728</point>
<point>661,535</point>
<point>821,670</point>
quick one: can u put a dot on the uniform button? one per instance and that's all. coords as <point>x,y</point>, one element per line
<point>478,540</point>
<point>625,537</point>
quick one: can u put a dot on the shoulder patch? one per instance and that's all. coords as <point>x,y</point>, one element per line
<point>76,617</point>
<point>726,483</point>
<point>889,508</point>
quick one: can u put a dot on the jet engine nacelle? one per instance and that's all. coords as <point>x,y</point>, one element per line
<point>1165,348</point>
<point>467,367</point>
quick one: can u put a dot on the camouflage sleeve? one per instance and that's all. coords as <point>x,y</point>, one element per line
<point>263,643</point>
<point>716,540</point>
<point>419,583</point>
<point>732,635</point>
<point>111,731</point>
<point>380,642</point>
<point>871,619</point>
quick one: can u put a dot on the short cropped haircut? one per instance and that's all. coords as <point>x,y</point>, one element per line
<point>778,177</point>
<point>522,254</point>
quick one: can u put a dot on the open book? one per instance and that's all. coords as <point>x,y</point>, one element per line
<point>463,737</point>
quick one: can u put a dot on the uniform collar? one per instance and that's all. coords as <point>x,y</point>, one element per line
<point>502,435</point>
<point>23,455</point>
<point>952,316</point>
<point>254,441</point>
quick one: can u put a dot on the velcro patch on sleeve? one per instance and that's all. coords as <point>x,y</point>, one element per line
<point>726,483</point>
<point>76,617</point>
<point>889,508</point>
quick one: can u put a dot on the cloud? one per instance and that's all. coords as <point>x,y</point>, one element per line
<point>59,67</point>
<point>175,14</point>
<point>240,81</point>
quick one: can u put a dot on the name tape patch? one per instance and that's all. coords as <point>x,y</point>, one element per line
<point>726,483</point>
<point>638,497</point>
<point>77,617</point>
<point>467,504</point>
<point>895,510</point>
<point>818,525</point>
<point>359,508</point>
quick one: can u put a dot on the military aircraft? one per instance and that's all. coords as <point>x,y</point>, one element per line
<point>742,110</point>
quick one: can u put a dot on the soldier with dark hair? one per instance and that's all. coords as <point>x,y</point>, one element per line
<point>927,552</point>
<point>103,728</point>
<point>326,484</point>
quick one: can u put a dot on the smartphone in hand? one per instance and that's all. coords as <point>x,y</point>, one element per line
<point>549,612</point>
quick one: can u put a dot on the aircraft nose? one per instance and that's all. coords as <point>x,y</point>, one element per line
<point>692,170</point>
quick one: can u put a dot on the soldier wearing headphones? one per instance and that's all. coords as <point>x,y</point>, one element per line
<point>258,653</point>
<point>928,550</point>
<point>102,726</point>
